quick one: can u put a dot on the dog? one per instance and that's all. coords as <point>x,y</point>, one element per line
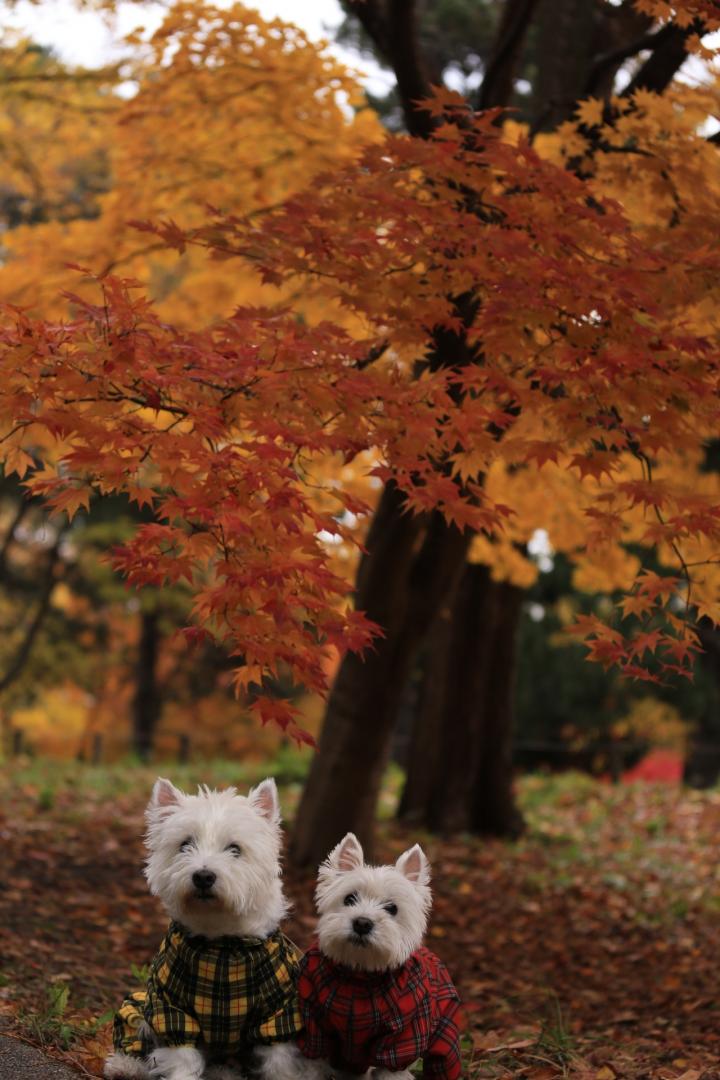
<point>221,998</point>
<point>373,999</point>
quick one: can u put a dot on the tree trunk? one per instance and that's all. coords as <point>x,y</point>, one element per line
<point>427,733</point>
<point>493,810</point>
<point>565,33</point>
<point>147,701</point>
<point>702,762</point>
<point>459,772</point>
<point>410,565</point>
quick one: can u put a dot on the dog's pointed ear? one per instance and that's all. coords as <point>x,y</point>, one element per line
<point>348,855</point>
<point>164,794</point>
<point>413,865</point>
<point>265,801</point>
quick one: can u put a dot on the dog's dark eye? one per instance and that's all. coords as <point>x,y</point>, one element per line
<point>350,899</point>
<point>391,909</point>
<point>234,849</point>
<point>187,843</point>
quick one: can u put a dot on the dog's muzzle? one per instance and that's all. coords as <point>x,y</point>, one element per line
<point>361,930</point>
<point>203,880</point>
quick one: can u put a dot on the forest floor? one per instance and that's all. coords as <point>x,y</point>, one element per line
<point>589,949</point>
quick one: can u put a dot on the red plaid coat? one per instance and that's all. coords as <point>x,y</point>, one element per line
<point>389,1019</point>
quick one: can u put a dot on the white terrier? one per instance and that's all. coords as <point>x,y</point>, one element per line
<point>372,998</point>
<point>223,985</point>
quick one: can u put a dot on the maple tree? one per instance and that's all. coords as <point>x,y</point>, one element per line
<point>470,302</point>
<point>355,703</point>
<point>207,78</point>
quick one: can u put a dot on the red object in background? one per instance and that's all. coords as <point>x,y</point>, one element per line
<point>659,766</point>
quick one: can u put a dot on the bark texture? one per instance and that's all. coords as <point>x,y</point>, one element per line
<point>147,702</point>
<point>459,774</point>
<point>702,762</point>
<point>411,565</point>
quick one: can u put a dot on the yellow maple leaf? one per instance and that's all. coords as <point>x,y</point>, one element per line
<point>590,112</point>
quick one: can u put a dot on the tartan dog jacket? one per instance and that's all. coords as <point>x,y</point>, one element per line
<point>222,995</point>
<point>387,1019</point>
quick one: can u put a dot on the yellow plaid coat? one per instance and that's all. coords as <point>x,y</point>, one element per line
<point>223,996</point>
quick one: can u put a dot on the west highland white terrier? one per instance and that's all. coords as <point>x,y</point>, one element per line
<point>373,999</point>
<point>223,986</point>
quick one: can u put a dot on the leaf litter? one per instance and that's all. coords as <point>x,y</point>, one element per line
<point>588,949</point>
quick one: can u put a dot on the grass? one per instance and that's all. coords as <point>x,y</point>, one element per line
<point>55,785</point>
<point>52,1025</point>
<point>129,774</point>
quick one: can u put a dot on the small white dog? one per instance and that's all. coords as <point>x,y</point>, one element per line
<point>223,986</point>
<point>371,996</point>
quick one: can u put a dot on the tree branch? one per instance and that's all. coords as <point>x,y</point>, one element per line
<point>667,57</point>
<point>368,14</point>
<point>373,354</point>
<point>609,60</point>
<point>395,36</point>
<point>412,81</point>
<point>497,85</point>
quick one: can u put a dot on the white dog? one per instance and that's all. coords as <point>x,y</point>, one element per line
<point>223,985</point>
<point>371,996</point>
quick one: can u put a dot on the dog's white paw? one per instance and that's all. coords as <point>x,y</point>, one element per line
<point>124,1067</point>
<point>283,1061</point>
<point>175,1063</point>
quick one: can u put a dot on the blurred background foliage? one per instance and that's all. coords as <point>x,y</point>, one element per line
<point>91,670</point>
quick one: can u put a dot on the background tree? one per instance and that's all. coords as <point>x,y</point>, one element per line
<point>212,121</point>
<point>53,126</point>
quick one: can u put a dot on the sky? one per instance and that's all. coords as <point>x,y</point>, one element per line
<point>88,39</point>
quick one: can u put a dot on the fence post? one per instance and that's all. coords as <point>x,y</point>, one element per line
<point>97,748</point>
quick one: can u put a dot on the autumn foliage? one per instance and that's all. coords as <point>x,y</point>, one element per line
<point>441,312</point>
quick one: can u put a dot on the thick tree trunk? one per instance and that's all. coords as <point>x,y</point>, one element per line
<point>460,771</point>
<point>447,732</point>
<point>147,702</point>
<point>428,730</point>
<point>702,762</point>
<point>565,33</point>
<point>493,810</point>
<point>411,565</point>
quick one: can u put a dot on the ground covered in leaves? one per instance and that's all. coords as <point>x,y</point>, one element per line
<point>589,949</point>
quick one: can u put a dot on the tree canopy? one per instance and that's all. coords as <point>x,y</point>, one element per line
<point>441,310</point>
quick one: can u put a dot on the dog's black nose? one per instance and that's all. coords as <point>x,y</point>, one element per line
<point>203,880</point>
<point>362,926</point>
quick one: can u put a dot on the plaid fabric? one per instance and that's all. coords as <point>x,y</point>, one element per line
<point>356,1020</point>
<point>223,995</point>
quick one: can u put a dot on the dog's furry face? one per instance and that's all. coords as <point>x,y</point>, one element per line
<point>214,858</point>
<point>371,917</point>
